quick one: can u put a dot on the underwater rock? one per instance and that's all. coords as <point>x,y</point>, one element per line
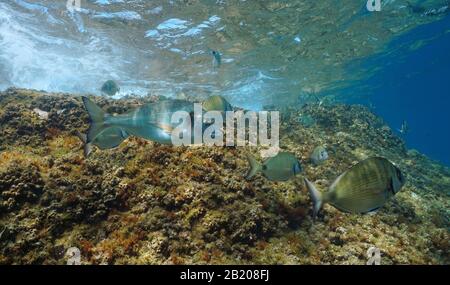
<point>145,203</point>
<point>42,114</point>
<point>19,184</point>
<point>306,120</point>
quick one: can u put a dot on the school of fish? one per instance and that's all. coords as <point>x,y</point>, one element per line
<point>363,188</point>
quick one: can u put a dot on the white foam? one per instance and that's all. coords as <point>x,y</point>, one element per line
<point>152,34</point>
<point>173,24</point>
<point>37,9</point>
<point>76,18</point>
<point>156,10</point>
<point>175,28</point>
<point>108,2</point>
<point>31,57</point>
<point>124,15</point>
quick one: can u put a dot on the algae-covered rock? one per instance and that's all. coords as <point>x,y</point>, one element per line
<point>19,184</point>
<point>145,203</point>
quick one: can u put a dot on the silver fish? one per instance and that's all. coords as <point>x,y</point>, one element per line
<point>151,121</point>
<point>363,188</point>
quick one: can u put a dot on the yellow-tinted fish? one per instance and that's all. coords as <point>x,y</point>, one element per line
<point>217,103</point>
<point>363,188</point>
<point>319,155</point>
<point>278,168</point>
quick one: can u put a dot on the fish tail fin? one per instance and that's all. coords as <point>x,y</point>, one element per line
<point>81,136</point>
<point>87,147</point>
<point>316,197</point>
<point>97,119</point>
<point>255,166</point>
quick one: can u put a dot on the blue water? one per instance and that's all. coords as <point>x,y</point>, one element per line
<point>155,47</point>
<point>414,85</point>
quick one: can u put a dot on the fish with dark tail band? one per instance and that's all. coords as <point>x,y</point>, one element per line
<point>150,121</point>
<point>281,167</point>
<point>363,188</point>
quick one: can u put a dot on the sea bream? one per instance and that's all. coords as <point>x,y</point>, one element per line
<point>281,167</point>
<point>217,103</point>
<point>363,188</point>
<point>150,121</point>
<point>319,155</point>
